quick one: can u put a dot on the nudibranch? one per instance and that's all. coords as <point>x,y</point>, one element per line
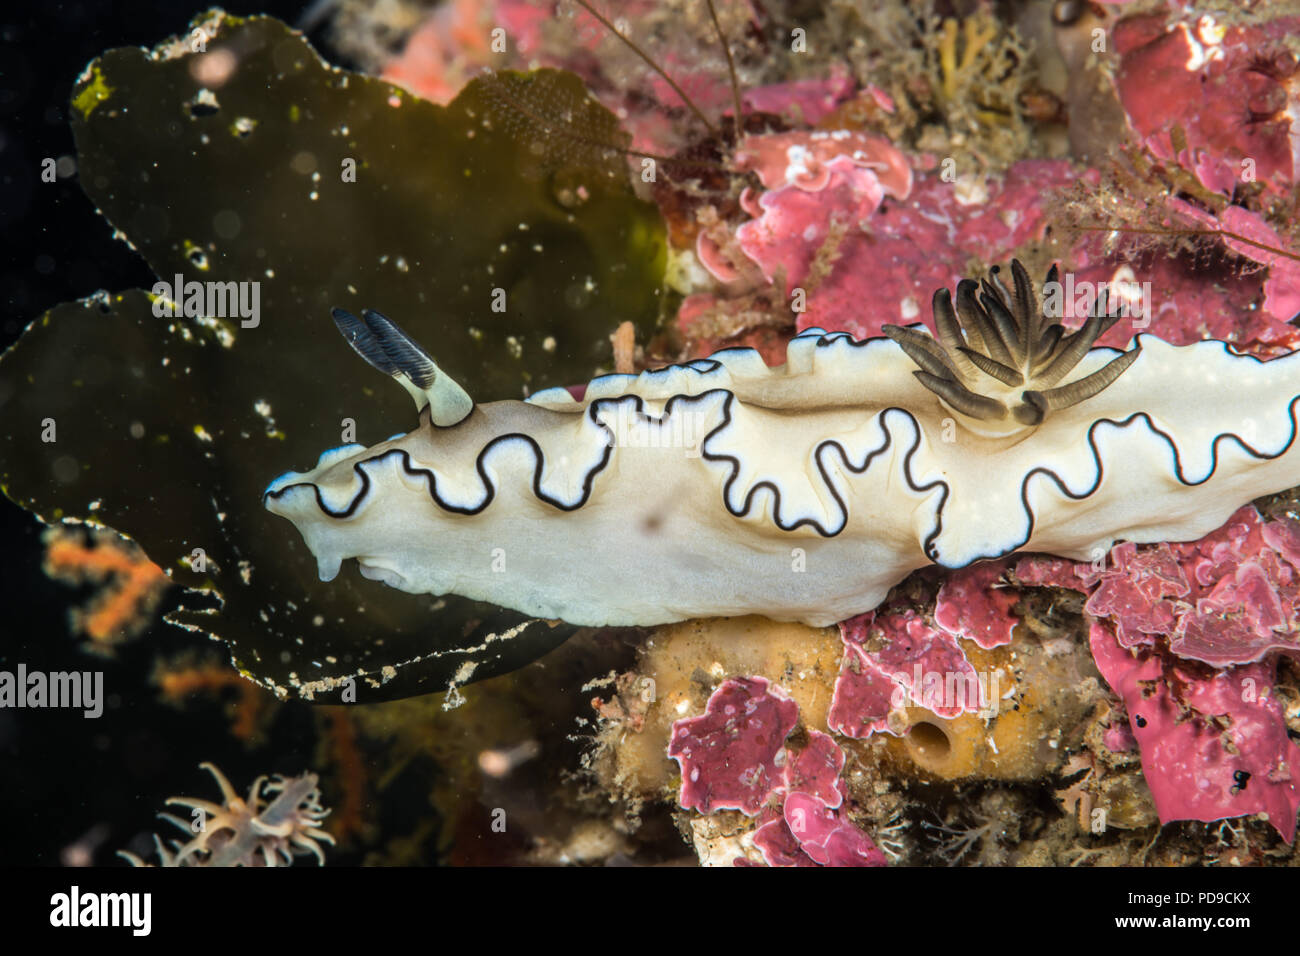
<point>802,492</point>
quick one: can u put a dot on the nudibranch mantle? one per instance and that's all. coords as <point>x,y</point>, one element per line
<point>802,492</point>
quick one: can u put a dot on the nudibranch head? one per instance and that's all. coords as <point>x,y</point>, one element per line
<point>999,358</point>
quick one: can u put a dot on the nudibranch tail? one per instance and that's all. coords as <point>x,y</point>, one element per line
<point>1001,341</point>
<point>379,341</point>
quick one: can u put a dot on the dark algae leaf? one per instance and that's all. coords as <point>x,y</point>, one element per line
<point>253,161</point>
<point>335,189</point>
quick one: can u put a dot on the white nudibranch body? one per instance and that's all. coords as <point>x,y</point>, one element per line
<point>802,492</point>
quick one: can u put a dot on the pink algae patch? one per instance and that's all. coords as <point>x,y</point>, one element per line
<point>1215,84</point>
<point>1212,746</point>
<point>1135,592</point>
<point>1188,634</point>
<point>811,826</point>
<point>1230,598</point>
<point>970,605</point>
<point>729,755</point>
<point>734,757</point>
<point>892,659</point>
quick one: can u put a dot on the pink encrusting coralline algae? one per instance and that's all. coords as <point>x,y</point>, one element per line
<point>1214,743</point>
<point>858,244</point>
<point>892,236</point>
<point>734,756</point>
<point>973,604</point>
<point>1218,99</point>
<point>729,755</point>
<point>893,658</point>
<point>1230,598</point>
<point>1188,635</point>
<point>1258,240</point>
<point>868,246</point>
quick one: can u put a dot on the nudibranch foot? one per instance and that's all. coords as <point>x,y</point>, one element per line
<point>805,491</point>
